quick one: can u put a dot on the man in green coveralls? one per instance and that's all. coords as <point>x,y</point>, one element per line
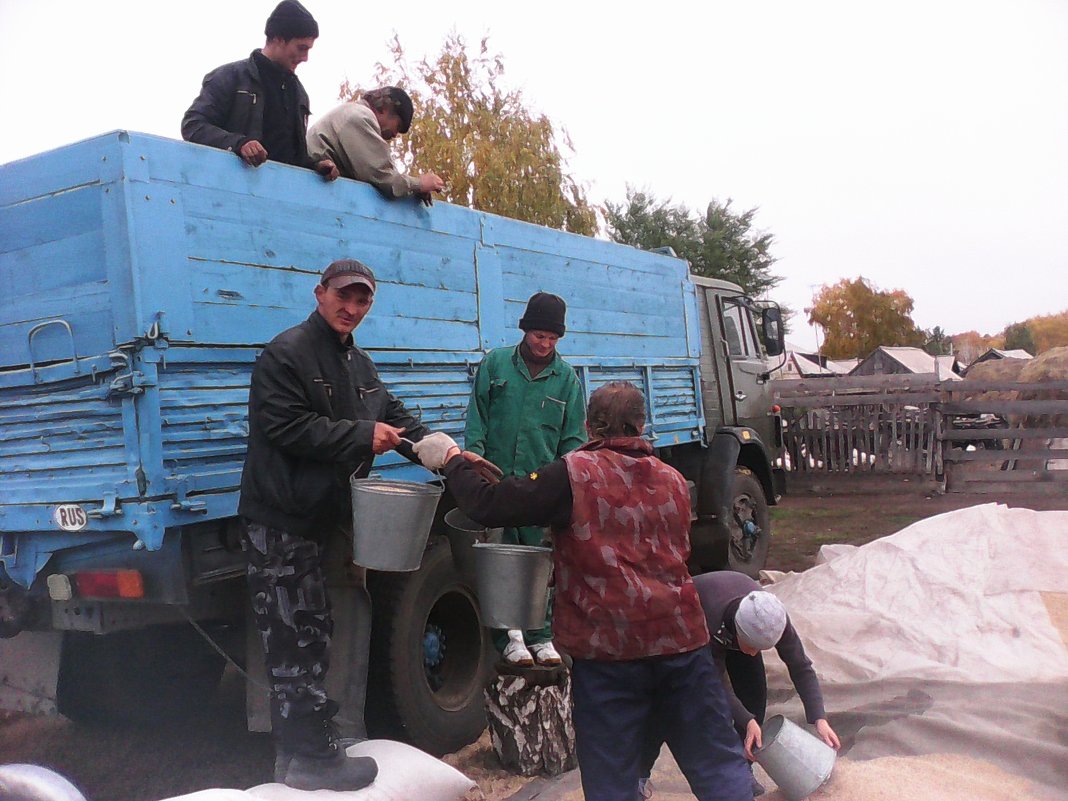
<point>527,408</point>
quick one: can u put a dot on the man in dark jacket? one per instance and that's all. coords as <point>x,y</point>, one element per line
<point>318,412</point>
<point>744,620</point>
<point>257,107</point>
<point>626,609</point>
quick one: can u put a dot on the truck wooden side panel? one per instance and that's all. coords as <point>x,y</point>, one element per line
<point>139,278</point>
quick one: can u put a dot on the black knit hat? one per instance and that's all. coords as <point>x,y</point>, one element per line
<point>291,20</point>
<point>545,312</point>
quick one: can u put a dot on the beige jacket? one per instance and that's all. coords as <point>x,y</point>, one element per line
<point>350,136</point>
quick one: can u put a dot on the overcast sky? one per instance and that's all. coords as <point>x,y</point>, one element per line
<point>923,145</point>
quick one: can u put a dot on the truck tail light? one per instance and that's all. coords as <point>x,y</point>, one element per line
<point>110,584</point>
<point>776,408</point>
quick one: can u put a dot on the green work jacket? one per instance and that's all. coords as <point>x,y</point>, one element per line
<point>521,423</point>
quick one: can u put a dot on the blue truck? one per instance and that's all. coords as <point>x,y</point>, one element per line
<point>139,279</point>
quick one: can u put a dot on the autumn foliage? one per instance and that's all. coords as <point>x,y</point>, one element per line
<point>1048,331</point>
<point>1035,335</point>
<point>970,345</point>
<point>856,318</point>
<point>494,153</point>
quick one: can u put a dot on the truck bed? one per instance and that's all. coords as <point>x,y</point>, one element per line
<point>140,277</point>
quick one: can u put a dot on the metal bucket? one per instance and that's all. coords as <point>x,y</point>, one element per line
<point>391,522</point>
<point>512,582</point>
<point>463,532</point>
<point>797,761</point>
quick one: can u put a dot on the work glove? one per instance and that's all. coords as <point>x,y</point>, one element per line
<point>432,449</point>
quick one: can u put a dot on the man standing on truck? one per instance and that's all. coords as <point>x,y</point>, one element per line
<point>356,135</point>
<point>317,412</point>
<point>257,107</point>
<point>527,408</point>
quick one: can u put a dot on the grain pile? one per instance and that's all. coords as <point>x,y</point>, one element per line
<point>1057,605</point>
<point>479,763</point>
<point>936,777</point>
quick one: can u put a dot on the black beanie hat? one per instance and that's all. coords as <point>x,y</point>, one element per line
<point>291,20</point>
<point>545,312</point>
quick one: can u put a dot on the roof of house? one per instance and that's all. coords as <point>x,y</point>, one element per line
<point>841,366</point>
<point>806,366</point>
<point>918,361</point>
<point>1018,353</point>
<point>802,366</point>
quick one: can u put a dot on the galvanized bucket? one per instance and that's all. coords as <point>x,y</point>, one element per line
<point>391,522</point>
<point>512,582</point>
<point>463,532</point>
<point>797,761</point>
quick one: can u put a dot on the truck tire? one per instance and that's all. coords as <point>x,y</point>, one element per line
<point>138,676</point>
<point>430,656</point>
<point>749,522</point>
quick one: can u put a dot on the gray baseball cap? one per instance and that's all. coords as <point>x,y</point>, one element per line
<point>345,272</point>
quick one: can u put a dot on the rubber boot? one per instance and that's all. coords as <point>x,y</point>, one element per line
<point>317,758</point>
<point>283,753</point>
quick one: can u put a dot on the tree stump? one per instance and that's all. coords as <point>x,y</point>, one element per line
<point>529,713</point>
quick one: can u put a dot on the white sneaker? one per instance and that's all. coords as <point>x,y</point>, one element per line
<point>545,654</point>
<point>516,651</point>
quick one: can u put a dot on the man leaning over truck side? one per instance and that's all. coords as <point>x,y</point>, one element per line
<point>318,412</point>
<point>257,107</point>
<point>356,135</point>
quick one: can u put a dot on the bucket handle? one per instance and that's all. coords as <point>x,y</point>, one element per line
<point>438,476</point>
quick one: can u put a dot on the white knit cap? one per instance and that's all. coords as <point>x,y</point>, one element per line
<point>760,619</point>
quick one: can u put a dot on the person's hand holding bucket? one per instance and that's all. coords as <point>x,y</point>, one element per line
<point>385,438</point>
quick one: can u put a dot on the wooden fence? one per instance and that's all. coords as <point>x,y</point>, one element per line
<point>970,436</point>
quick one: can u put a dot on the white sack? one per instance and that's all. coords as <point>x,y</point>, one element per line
<point>404,774</point>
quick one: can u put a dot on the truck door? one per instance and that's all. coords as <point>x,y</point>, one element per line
<point>748,368</point>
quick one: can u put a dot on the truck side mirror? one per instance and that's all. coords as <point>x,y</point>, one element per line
<point>772,331</point>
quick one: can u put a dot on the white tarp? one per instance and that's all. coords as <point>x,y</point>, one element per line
<point>956,597</point>
<point>943,644</point>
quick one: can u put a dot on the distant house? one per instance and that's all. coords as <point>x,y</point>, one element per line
<point>800,365</point>
<point>841,366</point>
<point>996,353</point>
<point>905,361</point>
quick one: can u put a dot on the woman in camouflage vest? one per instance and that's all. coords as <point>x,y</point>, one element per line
<point>626,609</point>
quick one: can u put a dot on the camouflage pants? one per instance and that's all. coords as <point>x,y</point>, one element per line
<point>287,584</point>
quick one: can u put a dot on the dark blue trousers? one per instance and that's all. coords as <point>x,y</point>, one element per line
<point>615,703</point>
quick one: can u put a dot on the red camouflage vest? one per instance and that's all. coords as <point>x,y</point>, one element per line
<point>622,587</point>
